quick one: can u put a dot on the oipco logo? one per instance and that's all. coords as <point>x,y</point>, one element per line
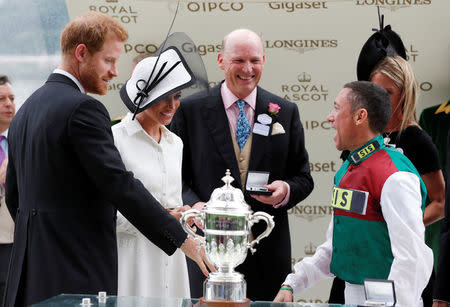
<point>304,90</point>
<point>209,6</point>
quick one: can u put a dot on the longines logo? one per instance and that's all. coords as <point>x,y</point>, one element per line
<point>209,6</point>
<point>125,14</point>
<point>292,6</point>
<point>324,167</point>
<point>301,45</point>
<point>393,5</point>
<point>311,212</point>
<point>411,53</point>
<point>304,90</point>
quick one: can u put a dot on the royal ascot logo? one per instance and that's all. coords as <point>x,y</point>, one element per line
<point>311,212</point>
<point>393,5</point>
<point>304,90</point>
<point>125,14</point>
<point>411,53</point>
<point>292,6</point>
<point>208,6</point>
<point>301,45</point>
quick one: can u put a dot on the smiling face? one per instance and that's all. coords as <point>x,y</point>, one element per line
<point>342,120</point>
<point>7,107</point>
<point>160,114</point>
<point>242,60</point>
<point>100,67</point>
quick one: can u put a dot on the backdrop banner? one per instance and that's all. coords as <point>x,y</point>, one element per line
<point>311,49</point>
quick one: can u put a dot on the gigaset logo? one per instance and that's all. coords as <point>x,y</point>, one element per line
<point>292,6</point>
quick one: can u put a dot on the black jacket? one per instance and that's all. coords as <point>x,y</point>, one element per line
<point>65,180</point>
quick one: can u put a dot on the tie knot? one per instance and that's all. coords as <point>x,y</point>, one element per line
<point>2,137</point>
<point>240,103</point>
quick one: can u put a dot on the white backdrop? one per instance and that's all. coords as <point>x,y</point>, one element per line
<point>311,50</point>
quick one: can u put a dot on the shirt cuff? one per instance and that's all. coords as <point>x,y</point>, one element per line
<point>286,198</point>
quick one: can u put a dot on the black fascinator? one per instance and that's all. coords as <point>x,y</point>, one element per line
<point>384,42</point>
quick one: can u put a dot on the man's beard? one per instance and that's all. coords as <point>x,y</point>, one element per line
<point>92,82</point>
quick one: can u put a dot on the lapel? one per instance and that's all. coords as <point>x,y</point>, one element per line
<point>218,127</point>
<point>261,144</point>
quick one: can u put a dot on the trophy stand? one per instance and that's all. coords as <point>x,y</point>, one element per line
<point>225,287</point>
<point>204,303</point>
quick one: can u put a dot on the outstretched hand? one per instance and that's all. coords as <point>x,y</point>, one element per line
<point>190,249</point>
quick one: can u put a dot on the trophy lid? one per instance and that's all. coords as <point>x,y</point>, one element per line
<point>228,198</point>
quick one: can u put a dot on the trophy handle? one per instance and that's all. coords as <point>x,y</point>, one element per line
<point>184,218</point>
<point>258,216</point>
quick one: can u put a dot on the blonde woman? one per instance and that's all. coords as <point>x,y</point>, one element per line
<point>396,76</point>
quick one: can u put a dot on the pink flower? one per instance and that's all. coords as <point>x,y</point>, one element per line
<point>273,108</point>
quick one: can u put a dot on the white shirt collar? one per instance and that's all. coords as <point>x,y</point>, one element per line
<point>133,127</point>
<point>69,75</point>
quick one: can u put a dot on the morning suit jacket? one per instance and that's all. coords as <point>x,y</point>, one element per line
<point>442,282</point>
<point>65,180</point>
<point>202,124</point>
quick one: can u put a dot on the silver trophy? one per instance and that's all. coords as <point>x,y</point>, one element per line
<point>227,221</point>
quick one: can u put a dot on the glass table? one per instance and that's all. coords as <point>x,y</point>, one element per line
<point>75,300</point>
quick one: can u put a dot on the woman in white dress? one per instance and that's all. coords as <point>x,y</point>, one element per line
<point>154,155</point>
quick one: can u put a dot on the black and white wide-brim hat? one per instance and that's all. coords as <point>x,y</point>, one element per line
<point>165,73</point>
<point>171,74</point>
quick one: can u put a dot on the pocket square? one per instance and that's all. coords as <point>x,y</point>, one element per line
<point>277,128</point>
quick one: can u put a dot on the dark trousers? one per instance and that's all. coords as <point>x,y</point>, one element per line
<point>5,253</point>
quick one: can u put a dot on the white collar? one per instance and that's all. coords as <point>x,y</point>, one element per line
<point>69,75</point>
<point>134,126</point>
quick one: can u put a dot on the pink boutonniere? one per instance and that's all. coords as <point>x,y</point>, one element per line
<point>273,109</point>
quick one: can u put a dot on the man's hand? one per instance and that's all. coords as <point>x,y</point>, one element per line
<point>176,212</point>
<point>279,191</point>
<point>199,206</point>
<point>440,304</point>
<point>3,170</point>
<point>189,248</point>
<point>284,296</point>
